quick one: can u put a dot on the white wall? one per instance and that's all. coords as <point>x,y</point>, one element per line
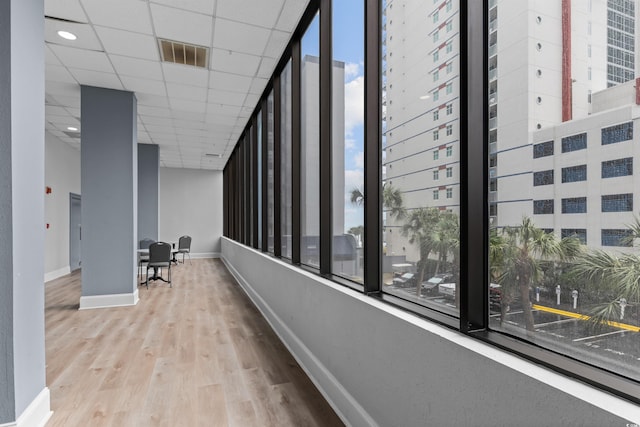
<point>62,174</point>
<point>380,366</point>
<point>191,204</point>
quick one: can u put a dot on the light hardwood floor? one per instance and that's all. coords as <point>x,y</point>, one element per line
<point>197,354</point>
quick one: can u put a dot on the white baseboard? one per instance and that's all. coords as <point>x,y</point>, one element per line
<point>332,390</point>
<point>37,413</point>
<point>204,255</point>
<point>52,275</point>
<point>105,301</point>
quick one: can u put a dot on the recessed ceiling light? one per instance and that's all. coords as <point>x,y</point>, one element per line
<point>71,128</point>
<point>67,35</point>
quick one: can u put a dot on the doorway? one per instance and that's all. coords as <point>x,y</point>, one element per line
<point>75,231</point>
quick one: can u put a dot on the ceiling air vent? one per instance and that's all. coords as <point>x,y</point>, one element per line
<point>182,53</point>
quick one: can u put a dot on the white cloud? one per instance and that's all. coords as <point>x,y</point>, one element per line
<point>349,143</point>
<point>353,104</point>
<point>351,70</point>
<point>359,159</point>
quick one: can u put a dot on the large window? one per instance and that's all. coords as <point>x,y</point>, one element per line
<point>574,143</point>
<point>543,149</point>
<point>348,139</point>
<point>574,205</point>
<point>543,207</point>
<point>270,175</point>
<point>421,251</point>
<point>617,202</point>
<point>543,178</point>
<point>574,173</point>
<point>285,161</point>
<point>310,146</point>
<point>618,167</point>
<point>617,133</point>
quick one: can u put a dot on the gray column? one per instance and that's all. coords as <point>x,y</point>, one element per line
<point>22,352</point>
<point>109,177</point>
<point>148,189</point>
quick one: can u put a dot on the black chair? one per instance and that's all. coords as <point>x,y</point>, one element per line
<point>184,247</point>
<point>143,258</point>
<point>159,257</point>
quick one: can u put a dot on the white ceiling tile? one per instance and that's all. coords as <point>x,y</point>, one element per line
<point>226,97</point>
<point>185,74</point>
<point>82,58</point>
<point>122,14</point>
<point>50,57</point>
<point>239,37</point>
<point>67,101</point>
<point>58,73</point>
<point>186,105</point>
<point>151,100</point>
<point>222,110</point>
<point>75,112</point>
<point>267,66</point>
<point>277,42</point>
<point>86,37</point>
<point>152,120</point>
<point>226,81</point>
<point>234,62</point>
<point>127,66</point>
<point>127,43</point>
<point>52,110</point>
<point>291,14</point>
<point>181,25</point>
<point>141,85</point>
<point>59,88</point>
<point>190,115</point>
<point>96,78</point>
<point>199,6</point>
<point>251,100</point>
<point>65,9</point>
<point>145,110</point>
<point>258,85</point>
<point>262,13</point>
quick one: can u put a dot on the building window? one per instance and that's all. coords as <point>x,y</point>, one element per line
<point>574,142</point>
<point>436,36</point>
<point>449,151</point>
<point>449,172</point>
<point>436,194</point>
<point>449,193</point>
<point>493,209</point>
<point>436,175</point>
<point>618,167</point>
<point>436,16</point>
<point>436,95</point>
<point>617,203</point>
<point>617,133</point>
<point>436,75</point>
<point>449,47</point>
<point>436,154</point>
<point>449,26</point>
<point>449,88</point>
<point>436,115</point>
<point>574,173</point>
<point>449,67</point>
<point>436,55</point>
<point>543,178</point>
<point>449,130</point>
<point>449,109</point>
<point>543,149</point>
<point>578,233</point>
<point>449,5</point>
<point>589,73</point>
<point>436,135</point>
<point>616,237</point>
<point>541,207</point>
<point>493,185</point>
<point>574,205</point>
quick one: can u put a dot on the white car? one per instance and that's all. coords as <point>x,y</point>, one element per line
<point>447,289</point>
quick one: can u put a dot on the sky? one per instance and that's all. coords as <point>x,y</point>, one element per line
<point>348,47</point>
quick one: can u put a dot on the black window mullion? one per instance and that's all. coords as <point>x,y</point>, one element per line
<point>248,189</point>
<point>296,138</point>
<point>265,201</point>
<point>277,170</point>
<point>254,176</point>
<point>474,274</point>
<point>326,178</point>
<point>225,201</point>
<point>372,150</point>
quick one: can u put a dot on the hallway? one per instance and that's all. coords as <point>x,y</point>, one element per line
<point>195,354</point>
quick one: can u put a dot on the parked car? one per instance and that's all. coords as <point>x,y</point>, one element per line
<point>495,297</point>
<point>405,280</point>
<point>447,289</point>
<point>431,285</point>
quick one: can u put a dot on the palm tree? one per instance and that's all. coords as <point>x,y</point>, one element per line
<point>391,199</point>
<point>420,228</point>
<point>614,275</point>
<point>357,197</point>
<point>519,253</point>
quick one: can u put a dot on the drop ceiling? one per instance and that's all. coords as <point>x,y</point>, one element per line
<point>190,112</point>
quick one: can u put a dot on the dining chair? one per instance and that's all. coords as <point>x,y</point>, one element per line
<point>143,258</point>
<point>159,257</point>
<point>184,247</point>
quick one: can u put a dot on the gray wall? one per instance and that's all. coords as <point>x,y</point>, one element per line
<point>62,174</point>
<point>380,366</point>
<point>22,367</point>
<point>148,190</point>
<point>191,204</point>
<point>109,173</point>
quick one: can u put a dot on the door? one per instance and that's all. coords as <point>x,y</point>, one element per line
<point>75,231</point>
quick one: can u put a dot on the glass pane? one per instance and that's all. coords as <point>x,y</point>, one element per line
<point>348,139</point>
<point>310,146</point>
<point>421,152</point>
<point>565,278</point>
<point>285,160</point>
<point>270,170</point>
<point>259,188</point>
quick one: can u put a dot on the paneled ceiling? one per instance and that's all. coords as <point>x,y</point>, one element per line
<point>194,114</point>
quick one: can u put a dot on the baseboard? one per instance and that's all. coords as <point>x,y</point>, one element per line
<point>37,413</point>
<point>204,255</point>
<point>105,301</point>
<point>324,380</point>
<point>52,275</point>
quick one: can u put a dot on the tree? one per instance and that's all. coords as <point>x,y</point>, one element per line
<point>391,199</point>
<point>517,257</point>
<point>615,276</point>
<point>419,228</point>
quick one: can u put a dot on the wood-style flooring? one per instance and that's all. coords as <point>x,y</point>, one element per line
<point>197,354</point>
